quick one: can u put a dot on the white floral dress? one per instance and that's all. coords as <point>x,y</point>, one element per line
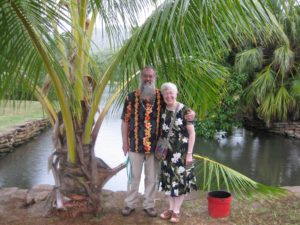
<point>175,178</point>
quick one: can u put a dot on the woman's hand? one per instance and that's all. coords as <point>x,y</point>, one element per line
<point>189,159</point>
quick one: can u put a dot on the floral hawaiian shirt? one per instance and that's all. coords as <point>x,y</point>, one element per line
<point>143,118</point>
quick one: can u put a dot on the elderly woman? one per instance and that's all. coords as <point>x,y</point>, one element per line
<point>177,171</point>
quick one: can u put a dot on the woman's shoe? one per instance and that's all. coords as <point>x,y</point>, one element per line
<point>166,215</point>
<point>175,218</point>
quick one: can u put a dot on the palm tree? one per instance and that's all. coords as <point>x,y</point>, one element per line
<point>273,68</point>
<point>180,38</point>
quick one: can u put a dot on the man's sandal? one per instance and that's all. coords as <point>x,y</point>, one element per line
<point>166,215</point>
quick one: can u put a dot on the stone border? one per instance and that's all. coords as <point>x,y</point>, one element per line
<point>289,129</point>
<point>20,134</point>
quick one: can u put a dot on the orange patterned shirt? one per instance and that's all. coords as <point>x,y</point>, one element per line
<point>143,118</point>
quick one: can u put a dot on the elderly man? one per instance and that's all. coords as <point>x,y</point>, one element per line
<point>140,130</point>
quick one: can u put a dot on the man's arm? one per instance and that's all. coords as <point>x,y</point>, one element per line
<point>124,130</point>
<point>125,125</point>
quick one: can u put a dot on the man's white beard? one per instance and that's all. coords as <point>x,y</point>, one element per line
<point>148,92</point>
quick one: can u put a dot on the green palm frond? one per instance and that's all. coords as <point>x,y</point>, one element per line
<point>283,60</point>
<point>296,88</point>
<point>289,17</point>
<point>255,94</point>
<point>284,103</point>
<point>249,60</point>
<point>194,29</point>
<point>199,82</point>
<point>120,17</point>
<point>19,57</point>
<point>267,109</point>
<point>248,99</point>
<point>34,29</point>
<point>264,83</point>
<point>295,93</point>
<point>216,176</point>
<point>280,62</point>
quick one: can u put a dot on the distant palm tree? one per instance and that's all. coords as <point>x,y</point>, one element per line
<point>274,91</point>
<point>182,39</point>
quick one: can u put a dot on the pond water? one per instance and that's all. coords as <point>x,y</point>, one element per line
<point>266,158</point>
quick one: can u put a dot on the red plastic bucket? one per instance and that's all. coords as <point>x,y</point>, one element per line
<point>219,204</point>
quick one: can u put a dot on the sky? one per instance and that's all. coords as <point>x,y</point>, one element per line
<point>100,37</point>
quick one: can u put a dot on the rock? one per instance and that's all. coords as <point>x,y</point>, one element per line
<point>38,193</point>
<point>293,189</point>
<point>43,187</point>
<point>20,194</point>
<point>107,193</point>
<point>7,194</point>
<point>18,135</point>
<point>39,209</point>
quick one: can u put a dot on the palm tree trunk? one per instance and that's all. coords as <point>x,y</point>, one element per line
<point>85,178</point>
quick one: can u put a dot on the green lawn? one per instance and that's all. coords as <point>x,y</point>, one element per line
<point>17,112</point>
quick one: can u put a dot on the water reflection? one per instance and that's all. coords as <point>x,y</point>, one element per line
<point>266,158</point>
<point>27,165</point>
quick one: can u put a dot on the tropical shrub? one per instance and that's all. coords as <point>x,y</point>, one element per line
<point>226,115</point>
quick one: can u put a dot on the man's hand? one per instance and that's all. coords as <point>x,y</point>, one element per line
<point>125,148</point>
<point>190,116</point>
<point>124,131</point>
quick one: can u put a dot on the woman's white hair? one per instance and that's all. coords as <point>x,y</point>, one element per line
<point>169,86</point>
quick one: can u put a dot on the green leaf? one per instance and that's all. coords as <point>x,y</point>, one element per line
<point>222,177</point>
<point>248,61</point>
<point>284,60</point>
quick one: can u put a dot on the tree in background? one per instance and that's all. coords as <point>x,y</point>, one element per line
<point>226,115</point>
<point>180,38</point>
<point>273,93</point>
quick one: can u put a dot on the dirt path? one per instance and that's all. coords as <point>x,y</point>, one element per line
<point>285,210</point>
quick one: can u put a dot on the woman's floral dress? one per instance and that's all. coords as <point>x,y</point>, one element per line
<point>175,178</point>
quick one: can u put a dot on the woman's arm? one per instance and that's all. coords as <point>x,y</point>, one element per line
<point>191,143</point>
